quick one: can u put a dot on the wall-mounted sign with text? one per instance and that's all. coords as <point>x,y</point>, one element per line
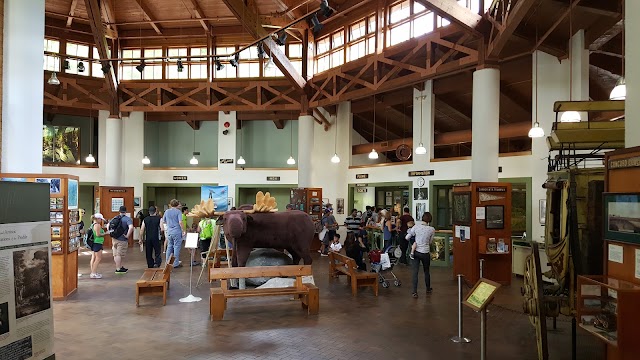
<point>492,189</point>
<point>118,190</point>
<point>421,173</point>
<point>362,176</point>
<point>180,177</point>
<point>226,161</point>
<point>361,190</point>
<point>624,163</point>
<point>362,185</point>
<point>273,178</point>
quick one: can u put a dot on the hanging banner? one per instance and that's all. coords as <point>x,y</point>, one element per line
<point>219,194</point>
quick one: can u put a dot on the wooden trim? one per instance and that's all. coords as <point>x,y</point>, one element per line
<point>269,169</point>
<point>179,168</point>
<point>589,106</point>
<point>72,166</point>
<point>519,153</point>
<point>380,165</point>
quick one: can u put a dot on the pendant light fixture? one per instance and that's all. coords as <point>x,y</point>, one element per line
<point>373,155</point>
<point>194,159</point>
<point>90,159</point>
<point>241,160</point>
<point>421,150</point>
<point>291,160</point>
<point>619,92</point>
<point>536,131</point>
<point>53,80</point>
<point>335,158</point>
<point>145,159</point>
<point>570,116</point>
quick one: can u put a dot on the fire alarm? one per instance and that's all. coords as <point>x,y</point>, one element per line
<point>227,124</point>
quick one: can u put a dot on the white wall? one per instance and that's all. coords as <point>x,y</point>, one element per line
<point>632,73</point>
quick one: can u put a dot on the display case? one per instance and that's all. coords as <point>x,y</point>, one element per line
<point>309,200</point>
<point>442,248</point>
<point>608,309</point>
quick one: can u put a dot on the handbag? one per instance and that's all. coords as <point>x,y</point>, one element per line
<point>322,234</point>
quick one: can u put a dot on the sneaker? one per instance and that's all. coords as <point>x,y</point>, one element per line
<point>415,295</point>
<point>322,254</point>
<point>179,266</point>
<point>195,263</point>
<point>122,271</point>
<point>429,291</point>
<point>320,251</point>
<point>95,276</point>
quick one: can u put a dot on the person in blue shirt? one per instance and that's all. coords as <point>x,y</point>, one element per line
<point>174,231</point>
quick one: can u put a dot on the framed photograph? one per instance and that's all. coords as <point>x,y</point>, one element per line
<point>494,216</point>
<point>622,214</point>
<point>229,202</point>
<point>542,208</point>
<point>136,202</point>
<point>60,144</point>
<point>340,206</point>
<point>54,184</point>
<point>420,194</point>
<point>421,208</point>
<point>72,190</point>
<point>462,208</point>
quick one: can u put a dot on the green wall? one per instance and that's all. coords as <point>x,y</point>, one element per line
<point>86,128</point>
<point>259,136</point>
<point>170,144</point>
<point>85,201</point>
<point>248,195</point>
<point>161,195</point>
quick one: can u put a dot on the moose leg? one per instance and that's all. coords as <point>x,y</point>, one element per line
<point>294,256</point>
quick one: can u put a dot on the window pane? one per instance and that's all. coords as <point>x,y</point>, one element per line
<point>177,52</point>
<point>371,45</point>
<point>337,58</point>
<point>297,64</point>
<point>199,51</point>
<point>227,72</point>
<point>323,45</point>
<point>357,31</point>
<point>295,51</point>
<point>72,49</point>
<point>399,34</point>
<point>442,22</point>
<point>337,40</point>
<point>225,50</point>
<point>423,24</point>
<point>357,50</point>
<point>418,8</point>
<point>372,24</point>
<point>271,71</point>
<point>96,70</point>
<point>399,12</point>
<point>198,71</point>
<point>51,45</point>
<point>250,53</point>
<point>129,72</point>
<point>322,64</point>
<point>51,63</point>
<point>151,53</point>
<point>249,69</point>
<point>83,50</point>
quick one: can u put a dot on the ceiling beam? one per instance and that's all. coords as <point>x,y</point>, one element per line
<point>506,131</point>
<point>196,12</point>
<point>72,12</point>
<point>109,16</point>
<point>456,109</point>
<point>553,27</point>
<point>381,146</point>
<point>279,123</point>
<point>450,10</point>
<point>251,23</point>
<point>602,33</point>
<point>606,62</point>
<point>513,19</point>
<point>609,8</point>
<point>195,125</point>
<point>147,14</point>
<point>99,37</point>
<point>550,47</point>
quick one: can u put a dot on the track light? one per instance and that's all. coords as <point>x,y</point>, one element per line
<point>281,39</point>
<point>146,160</point>
<point>234,60</point>
<point>219,65</point>
<point>324,7</point>
<point>105,67</point>
<point>180,66</point>
<point>141,67</point>
<point>261,52</point>
<point>80,67</point>
<point>53,80</point>
<point>67,66</point>
<point>316,24</point>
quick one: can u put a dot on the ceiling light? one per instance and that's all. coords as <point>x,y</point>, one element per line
<point>324,7</point>
<point>219,65</point>
<point>241,160</point>
<point>234,60</point>
<point>80,67</point>
<point>291,161</point>
<point>620,91</point>
<point>90,159</point>
<point>373,154</point>
<point>335,159</point>
<point>282,38</point>
<point>536,131</point>
<point>570,116</point>
<point>316,24</point>
<point>67,66</point>
<point>260,48</point>
<point>146,160</point>
<point>421,150</point>
<point>193,161</point>
<point>180,66</point>
<point>105,67</point>
<point>53,80</point>
<point>269,65</point>
<point>141,67</point>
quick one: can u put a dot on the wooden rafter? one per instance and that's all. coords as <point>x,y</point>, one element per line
<point>510,19</point>
<point>109,16</point>
<point>450,10</point>
<point>195,125</point>
<point>603,37</point>
<point>251,22</point>
<point>72,12</point>
<point>562,16</point>
<point>93,10</point>
<point>194,8</point>
<point>77,92</point>
<point>147,14</point>
<point>279,123</point>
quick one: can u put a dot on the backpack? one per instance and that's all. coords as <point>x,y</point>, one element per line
<point>116,228</point>
<point>206,229</point>
<point>89,238</point>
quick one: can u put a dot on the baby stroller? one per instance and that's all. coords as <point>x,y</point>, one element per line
<point>383,262</point>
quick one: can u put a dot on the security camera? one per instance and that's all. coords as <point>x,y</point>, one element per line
<point>225,132</point>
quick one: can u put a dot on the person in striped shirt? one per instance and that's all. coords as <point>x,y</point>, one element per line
<point>353,222</point>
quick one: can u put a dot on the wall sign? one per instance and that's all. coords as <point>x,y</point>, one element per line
<point>362,185</point>
<point>421,173</point>
<point>361,190</point>
<point>624,163</point>
<point>118,190</point>
<point>273,178</point>
<point>180,177</point>
<point>362,176</point>
<point>461,184</point>
<point>226,161</point>
<point>492,189</point>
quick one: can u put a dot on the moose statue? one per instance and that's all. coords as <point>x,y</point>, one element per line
<point>246,230</point>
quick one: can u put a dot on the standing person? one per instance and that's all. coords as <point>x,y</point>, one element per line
<point>330,223</point>
<point>366,216</point>
<point>185,212</point>
<point>386,228</point>
<point>174,231</point>
<point>205,228</point>
<point>97,233</point>
<point>151,227</point>
<point>404,227</point>
<point>423,233</point>
<point>121,228</point>
<point>353,222</point>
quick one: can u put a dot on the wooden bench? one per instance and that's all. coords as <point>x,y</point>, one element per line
<point>343,265</point>
<point>308,294</point>
<point>217,254</point>
<point>155,282</point>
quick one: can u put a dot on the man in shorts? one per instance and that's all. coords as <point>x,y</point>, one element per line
<point>120,244</point>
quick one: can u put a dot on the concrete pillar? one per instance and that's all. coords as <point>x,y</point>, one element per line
<point>305,148</point>
<point>133,151</point>
<point>22,94</point>
<point>113,152</point>
<point>485,125</point>
<point>227,143</point>
<point>580,70</point>
<point>423,119</point>
<point>632,73</point>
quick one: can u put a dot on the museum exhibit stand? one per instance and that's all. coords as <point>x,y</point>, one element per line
<point>109,200</point>
<point>309,200</point>
<point>608,306</point>
<point>65,233</point>
<point>482,230</point>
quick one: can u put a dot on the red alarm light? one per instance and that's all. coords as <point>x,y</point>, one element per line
<point>227,124</point>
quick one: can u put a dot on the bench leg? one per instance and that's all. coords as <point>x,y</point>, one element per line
<point>354,286</point>
<point>137,296</point>
<point>313,301</point>
<point>375,287</point>
<point>217,306</point>
<point>165,287</point>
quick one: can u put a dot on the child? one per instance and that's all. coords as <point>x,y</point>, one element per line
<point>335,245</point>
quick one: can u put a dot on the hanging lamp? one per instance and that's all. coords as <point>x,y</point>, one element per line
<point>374,154</point>
<point>241,160</point>
<point>619,92</point>
<point>421,150</point>
<point>145,159</point>
<point>194,159</point>
<point>90,159</point>
<point>291,160</point>
<point>53,80</point>
<point>335,158</point>
<point>536,131</point>
<point>570,116</point>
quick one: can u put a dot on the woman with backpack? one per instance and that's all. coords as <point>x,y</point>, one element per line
<point>205,228</point>
<point>95,238</point>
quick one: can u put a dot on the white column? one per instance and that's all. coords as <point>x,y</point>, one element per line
<point>485,125</point>
<point>552,84</point>
<point>632,73</point>
<point>305,147</point>
<point>580,71</point>
<point>423,120</point>
<point>23,91</point>
<point>112,158</point>
<point>133,151</point>
<point>227,143</point>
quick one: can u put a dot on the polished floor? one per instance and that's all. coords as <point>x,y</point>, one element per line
<point>101,321</point>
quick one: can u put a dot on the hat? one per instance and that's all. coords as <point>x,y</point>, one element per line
<point>98,216</point>
<point>123,209</point>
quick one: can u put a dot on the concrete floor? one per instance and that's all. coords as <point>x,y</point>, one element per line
<point>101,321</point>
